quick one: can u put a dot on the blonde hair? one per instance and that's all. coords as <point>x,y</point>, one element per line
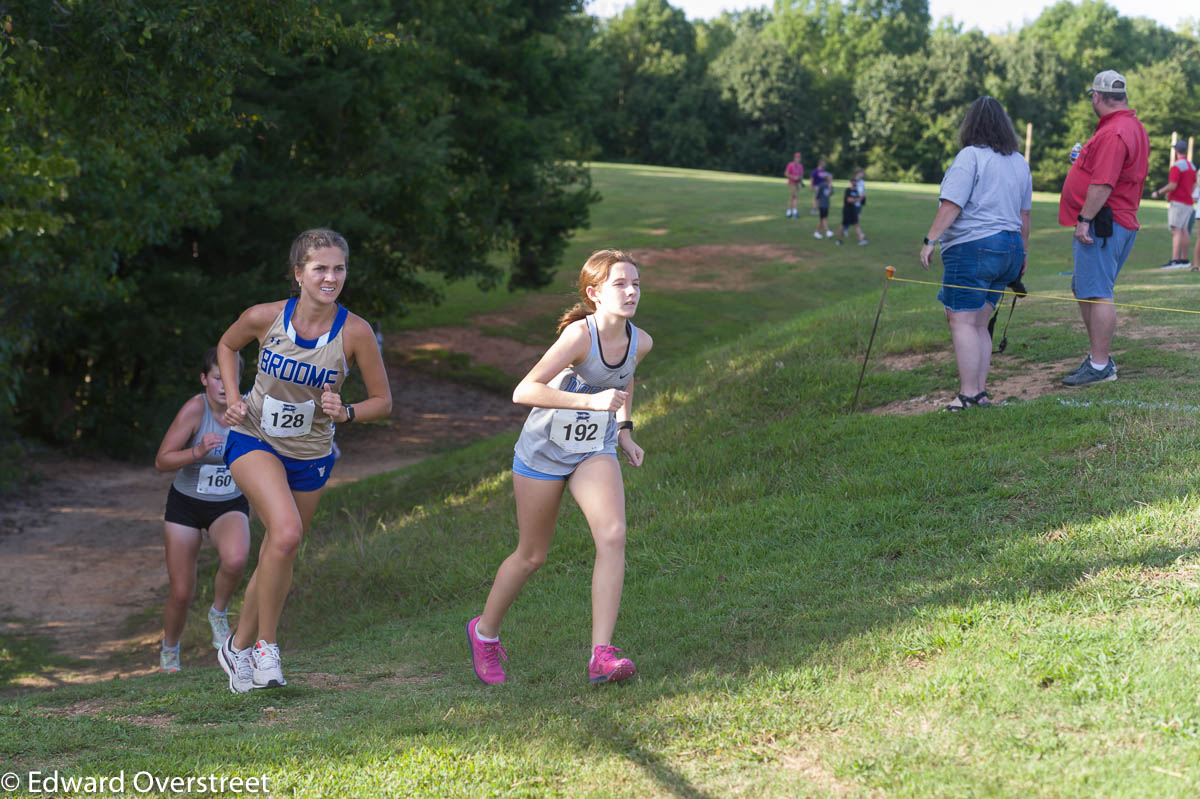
<point>594,272</point>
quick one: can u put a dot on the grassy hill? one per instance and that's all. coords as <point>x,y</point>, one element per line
<point>996,603</point>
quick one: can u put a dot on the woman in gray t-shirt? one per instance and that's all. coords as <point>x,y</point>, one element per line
<point>581,394</point>
<point>982,223</point>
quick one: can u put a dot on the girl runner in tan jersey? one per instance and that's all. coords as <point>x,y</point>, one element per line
<point>280,452</point>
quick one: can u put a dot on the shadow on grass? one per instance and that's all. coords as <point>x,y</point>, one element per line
<point>606,726</point>
<point>27,655</point>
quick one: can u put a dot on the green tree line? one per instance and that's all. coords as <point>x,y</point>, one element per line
<point>157,156</point>
<point>873,83</point>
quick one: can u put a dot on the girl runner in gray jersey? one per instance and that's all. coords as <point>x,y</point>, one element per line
<point>280,450</point>
<point>581,392</point>
<point>203,497</point>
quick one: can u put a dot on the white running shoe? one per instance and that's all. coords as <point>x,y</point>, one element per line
<point>829,234</point>
<point>237,665</point>
<point>168,661</point>
<point>220,627</point>
<point>863,242</point>
<point>816,234</point>
<point>267,672</point>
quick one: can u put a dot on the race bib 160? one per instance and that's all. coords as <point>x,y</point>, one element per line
<point>215,480</point>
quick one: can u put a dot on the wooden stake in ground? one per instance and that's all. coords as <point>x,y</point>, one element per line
<point>889,271</point>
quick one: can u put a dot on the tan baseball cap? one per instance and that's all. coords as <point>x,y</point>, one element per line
<point>1108,81</point>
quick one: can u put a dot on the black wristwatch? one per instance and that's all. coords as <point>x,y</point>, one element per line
<point>927,240</point>
<point>349,413</point>
<point>626,425</point>
<point>1084,221</point>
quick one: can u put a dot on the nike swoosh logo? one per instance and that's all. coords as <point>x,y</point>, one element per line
<point>622,377</point>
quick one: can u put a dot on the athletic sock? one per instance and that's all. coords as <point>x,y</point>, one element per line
<point>212,609</point>
<point>1099,367</point>
<point>170,648</point>
<point>485,639</point>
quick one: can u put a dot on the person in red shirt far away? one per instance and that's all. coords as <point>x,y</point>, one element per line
<point>1100,199</point>
<point>1178,189</point>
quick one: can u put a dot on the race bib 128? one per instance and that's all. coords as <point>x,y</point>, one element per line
<point>287,419</point>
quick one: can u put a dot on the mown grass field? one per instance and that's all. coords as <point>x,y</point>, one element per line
<point>999,603</point>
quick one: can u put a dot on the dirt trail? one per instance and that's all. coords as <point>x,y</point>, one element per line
<point>81,557</point>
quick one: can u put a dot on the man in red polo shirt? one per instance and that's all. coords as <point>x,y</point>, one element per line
<point>1107,177</point>
<point>1178,189</point>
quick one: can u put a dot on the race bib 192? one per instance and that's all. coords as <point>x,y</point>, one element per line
<point>287,419</point>
<point>215,480</point>
<point>579,431</point>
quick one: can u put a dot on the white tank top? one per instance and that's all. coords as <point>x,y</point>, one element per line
<point>555,441</point>
<point>208,478</point>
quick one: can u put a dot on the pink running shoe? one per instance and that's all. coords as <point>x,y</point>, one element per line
<point>485,656</point>
<point>605,666</point>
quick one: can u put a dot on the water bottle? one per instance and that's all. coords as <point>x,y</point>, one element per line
<point>1075,151</point>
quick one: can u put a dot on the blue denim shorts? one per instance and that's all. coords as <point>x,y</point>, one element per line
<point>302,475</point>
<point>1098,264</point>
<point>976,269</point>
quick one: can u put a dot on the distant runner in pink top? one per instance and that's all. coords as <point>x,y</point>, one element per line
<point>794,174</point>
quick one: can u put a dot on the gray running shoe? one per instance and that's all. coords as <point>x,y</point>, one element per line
<point>1079,369</point>
<point>168,661</point>
<point>1088,374</point>
<point>219,622</point>
<point>237,665</point>
<point>267,671</point>
<point>1087,364</point>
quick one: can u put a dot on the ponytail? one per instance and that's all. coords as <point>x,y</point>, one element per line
<point>573,314</point>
